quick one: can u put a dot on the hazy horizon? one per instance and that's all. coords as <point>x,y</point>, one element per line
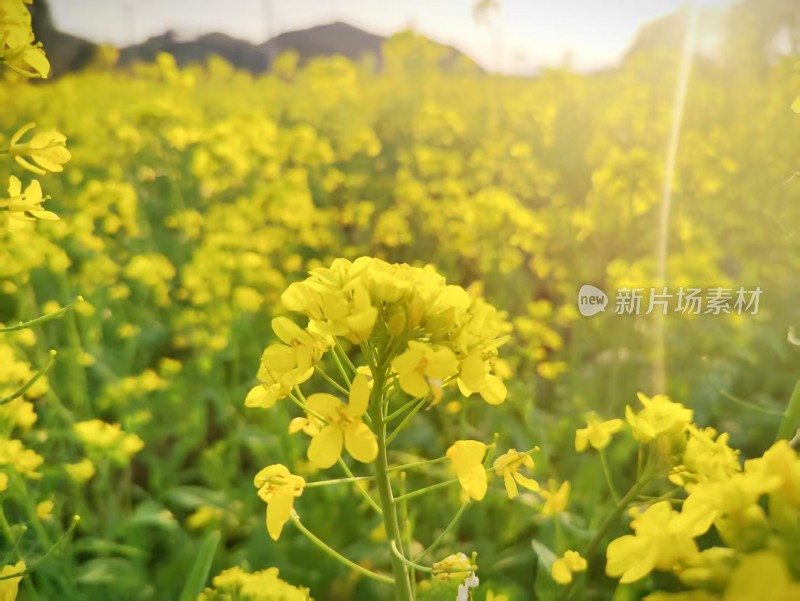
<point>523,36</point>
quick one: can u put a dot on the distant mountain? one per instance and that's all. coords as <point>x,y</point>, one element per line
<point>67,52</point>
<point>241,54</point>
<point>326,40</point>
<point>323,40</point>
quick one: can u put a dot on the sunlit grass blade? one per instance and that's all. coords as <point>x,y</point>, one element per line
<point>791,419</point>
<point>202,566</point>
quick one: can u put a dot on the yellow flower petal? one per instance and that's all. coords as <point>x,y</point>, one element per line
<point>326,405</point>
<point>279,509</point>
<point>326,447</point>
<point>361,442</point>
<point>467,458</point>
<point>359,397</point>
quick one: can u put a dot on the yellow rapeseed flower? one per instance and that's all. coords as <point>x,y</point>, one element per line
<point>343,427</point>
<point>10,586</point>
<point>596,434</point>
<point>48,149</point>
<point>567,565</point>
<point>663,539</point>
<point>475,376</point>
<point>27,205</point>
<point>508,466</point>
<point>105,438</point>
<point>423,367</point>
<point>82,471</point>
<point>555,498</point>
<point>278,488</point>
<point>660,417</point>
<point>467,459</point>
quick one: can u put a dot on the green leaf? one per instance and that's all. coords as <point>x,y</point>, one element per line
<point>196,581</point>
<point>545,586</point>
<point>791,419</point>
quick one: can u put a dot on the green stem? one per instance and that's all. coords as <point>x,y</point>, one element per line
<point>31,382</point>
<point>336,481</point>
<point>427,489</point>
<point>402,578</point>
<point>367,497</point>
<point>305,408</point>
<point>44,557</point>
<point>407,539</point>
<point>402,409</point>
<point>338,556</point>
<point>44,318</point>
<point>405,421</point>
<point>408,562</point>
<point>444,533</point>
<point>409,466</point>
<point>347,360</point>
<point>339,364</point>
<point>607,472</point>
<point>609,522</point>
<point>330,380</point>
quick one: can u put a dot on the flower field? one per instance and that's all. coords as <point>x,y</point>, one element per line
<point>315,334</point>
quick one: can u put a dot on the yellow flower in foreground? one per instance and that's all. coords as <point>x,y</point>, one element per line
<point>467,458</point>
<point>596,434</point>
<point>422,368</point>
<point>278,488</point>
<point>10,586</point>
<point>453,567</point>
<point>660,417</point>
<point>555,499</point>
<point>664,538</point>
<point>763,575</point>
<point>344,427</point>
<point>567,565</point>
<point>474,376</point>
<point>48,149</point>
<point>235,583</point>
<point>27,205</point>
<point>508,466</point>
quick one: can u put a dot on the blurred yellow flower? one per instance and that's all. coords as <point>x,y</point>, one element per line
<point>25,461</point>
<point>81,471</point>
<point>44,509</point>
<point>567,565</point>
<point>10,586</point>
<point>660,417</point>
<point>555,499</point>
<point>100,436</point>
<point>663,539</point>
<point>596,434</point>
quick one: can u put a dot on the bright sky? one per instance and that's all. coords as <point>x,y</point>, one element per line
<point>524,35</point>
